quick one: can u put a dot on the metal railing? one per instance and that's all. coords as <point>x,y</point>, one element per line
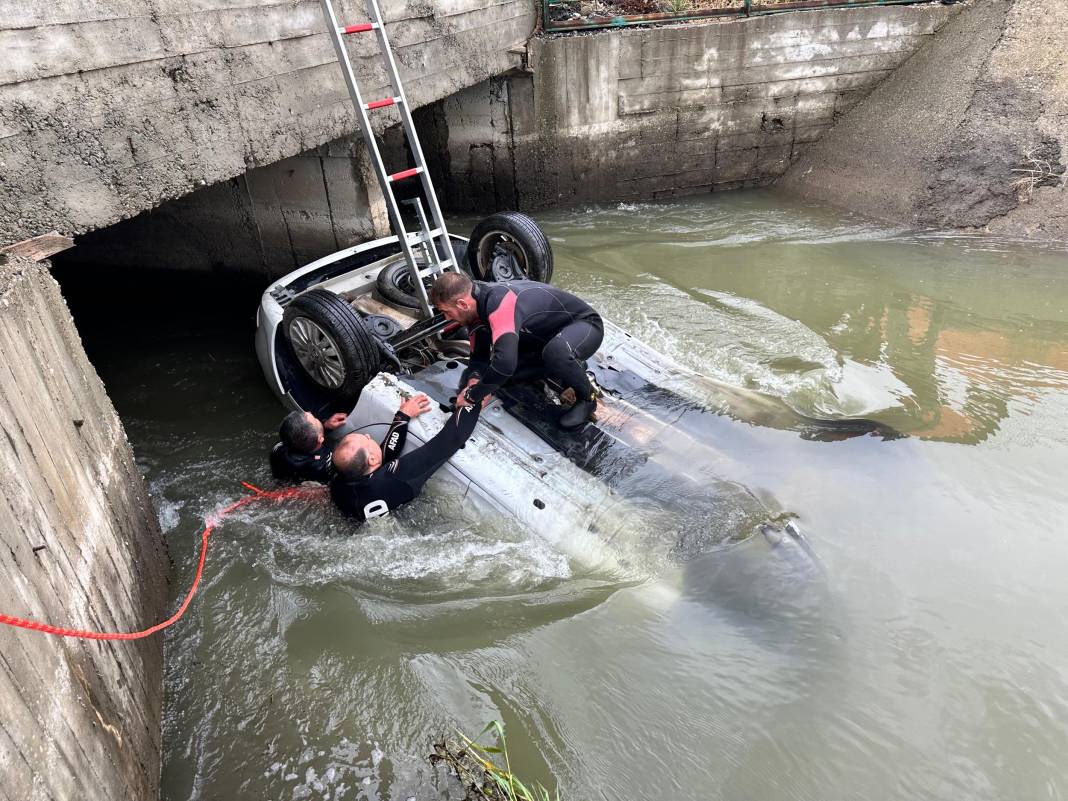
<point>566,15</point>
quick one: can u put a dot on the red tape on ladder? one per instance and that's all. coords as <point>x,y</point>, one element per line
<point>400,176</point>
<point>211,523</point>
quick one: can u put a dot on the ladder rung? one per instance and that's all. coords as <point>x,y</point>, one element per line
<point>418,235</point>
<point>432,269</point>
<point>400,176</point>
<point>360,28</point>
<point>386,101</point>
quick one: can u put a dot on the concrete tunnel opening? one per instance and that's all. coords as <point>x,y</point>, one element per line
<point>209,254</point>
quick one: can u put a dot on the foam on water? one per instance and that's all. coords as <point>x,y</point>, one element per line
<point>739,341</point>
<point>307,543</point>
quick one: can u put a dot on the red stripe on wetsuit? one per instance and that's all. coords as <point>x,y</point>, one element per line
<point>505,351</point>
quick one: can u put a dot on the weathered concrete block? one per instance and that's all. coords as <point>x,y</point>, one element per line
<point>735,165</point>
<point>773,160</point>
<point>662,97</point>
<point>957,124</point>
<point>81,719</point>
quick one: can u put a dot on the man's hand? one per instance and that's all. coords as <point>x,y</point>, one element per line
<point>461,400</point>
<point>335,421</point>
<point>416,405</point>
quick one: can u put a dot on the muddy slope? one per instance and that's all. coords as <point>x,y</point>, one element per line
<point>971,132</point>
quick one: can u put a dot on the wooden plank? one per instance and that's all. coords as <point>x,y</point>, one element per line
<point>40,247</point>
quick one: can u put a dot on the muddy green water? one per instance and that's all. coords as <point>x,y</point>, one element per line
<point>929,661</point>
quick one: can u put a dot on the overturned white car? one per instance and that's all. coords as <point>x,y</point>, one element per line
<point>353,332</point>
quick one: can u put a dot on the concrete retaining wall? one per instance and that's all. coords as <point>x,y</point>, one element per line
<point>955,138</point>
<point>267,221</point>
<point>81,720</point>
<point>107,109</point>
<point>619,115</point>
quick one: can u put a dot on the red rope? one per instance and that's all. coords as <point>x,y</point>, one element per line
<point>211,523</point>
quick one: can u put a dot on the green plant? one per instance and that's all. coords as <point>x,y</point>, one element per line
<point>480,775</point>
<point>678,6</point>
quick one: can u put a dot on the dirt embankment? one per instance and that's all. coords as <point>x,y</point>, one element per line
<point>972,132</point>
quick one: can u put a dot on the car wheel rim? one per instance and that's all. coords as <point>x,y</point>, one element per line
<point>500,256</point>
<point>317,352</point>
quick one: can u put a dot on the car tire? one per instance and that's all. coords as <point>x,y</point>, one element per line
<point>507,246</point>
<point>331,344</point>
<point>394,283</point>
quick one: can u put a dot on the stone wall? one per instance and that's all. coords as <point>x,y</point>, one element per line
<point>973,132</point>
<point>630,114</point>
<point>79,547</point>
<point>109,108</point>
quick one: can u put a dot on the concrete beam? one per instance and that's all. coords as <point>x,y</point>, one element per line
<point>106,115</point>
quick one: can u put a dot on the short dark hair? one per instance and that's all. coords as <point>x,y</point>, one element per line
<point>449,287</point>
<point>298,434</point>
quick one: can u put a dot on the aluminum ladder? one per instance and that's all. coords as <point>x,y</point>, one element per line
<point>428,237</point>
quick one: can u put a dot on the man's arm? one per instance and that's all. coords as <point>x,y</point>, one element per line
<point>397,435</point>
<point>337,427</point>
<point>504,353</point>
<point>481,344</point>
<point>415,467</point>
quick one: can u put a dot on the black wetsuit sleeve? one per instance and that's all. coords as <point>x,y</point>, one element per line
<point>393,442</point>
<point>289,466</point>
<point>280,467</point>
<point>481,343</point>
<point>416,467</point>
<point>504,323</point>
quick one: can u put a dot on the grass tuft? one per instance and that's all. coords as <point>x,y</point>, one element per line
<point>477,768</point>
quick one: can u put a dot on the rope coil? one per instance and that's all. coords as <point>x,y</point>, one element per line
<point>210,525</point>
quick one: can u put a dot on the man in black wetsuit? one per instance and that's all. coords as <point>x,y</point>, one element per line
<point>304,452</point>
<point>371,480</point>
<point>522,329</point>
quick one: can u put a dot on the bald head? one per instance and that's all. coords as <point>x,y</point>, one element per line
<point>356,455</point>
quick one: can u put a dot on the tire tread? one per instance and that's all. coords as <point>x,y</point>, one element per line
<point>539,251</point>
<point>352,337</point>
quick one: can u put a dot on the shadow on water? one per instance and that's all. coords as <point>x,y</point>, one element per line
<point>771,588</point>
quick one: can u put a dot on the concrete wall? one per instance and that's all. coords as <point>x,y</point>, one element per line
<point>618,115</point>
<point>109,108</point>
<point>952,139</point>
<point>267,221</point>
<point>81,720</point>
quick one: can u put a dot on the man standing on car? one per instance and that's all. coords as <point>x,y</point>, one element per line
<point>371,480</point>
<point>522,328</point>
